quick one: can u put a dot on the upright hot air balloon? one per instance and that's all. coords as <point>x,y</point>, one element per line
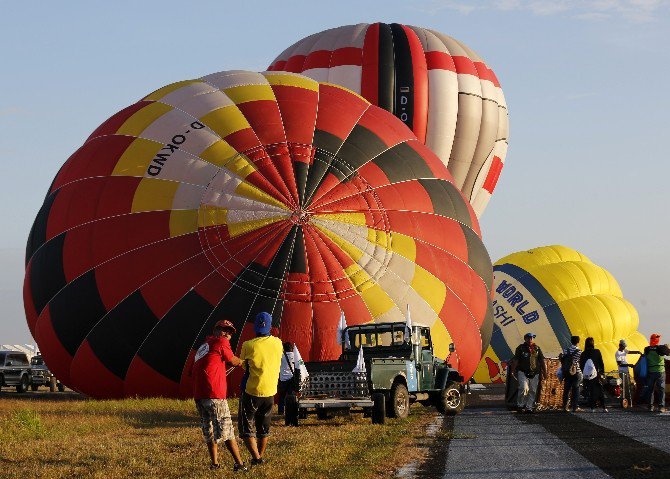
<point>435,84</point>
<point>556,292</point>
<point>243,192</point>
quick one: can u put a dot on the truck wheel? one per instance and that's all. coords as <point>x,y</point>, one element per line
<point>52,384</point>
<point>378,408</point>
<point>23,385</point>
<point>451,401</point>
<point>291,411</point>
<point>34,387</point>
<point>399,404</point>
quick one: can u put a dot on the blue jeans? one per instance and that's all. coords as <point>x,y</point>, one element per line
<point>284,388</point>
<point>572,383</point>
<point>655,382</point>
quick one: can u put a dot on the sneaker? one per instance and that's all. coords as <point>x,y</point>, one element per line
<point>257,462</point>
<point>566,408</point>
<point>651,408</point>
<point>240,468</point>
<point>605,409</point>
<point>578,410</point>
<point>214,467</point>
<point>662,409</point>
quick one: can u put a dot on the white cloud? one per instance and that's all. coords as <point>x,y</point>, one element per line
<point>10,110</point>
<point>579,96</point>
<point>632,10</point>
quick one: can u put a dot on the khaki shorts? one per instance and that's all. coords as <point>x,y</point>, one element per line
<point>215,420</point>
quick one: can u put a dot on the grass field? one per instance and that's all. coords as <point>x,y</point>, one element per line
<point>64,435</point>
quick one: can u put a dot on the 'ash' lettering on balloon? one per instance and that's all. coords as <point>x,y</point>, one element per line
<point>163,155</point>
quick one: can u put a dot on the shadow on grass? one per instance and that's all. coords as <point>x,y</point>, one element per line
<point>163,419</point>
<point>42,396</point>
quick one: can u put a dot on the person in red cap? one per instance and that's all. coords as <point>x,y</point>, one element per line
<point>655,372</point>
<point>210,392</point>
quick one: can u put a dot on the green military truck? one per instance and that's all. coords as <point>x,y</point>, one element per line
<point>397,373</point>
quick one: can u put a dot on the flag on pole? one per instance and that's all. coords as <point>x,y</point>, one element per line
<point>298,363</point>
<point>342,338</point>
<point>360,362</point>
<point>408,326</point>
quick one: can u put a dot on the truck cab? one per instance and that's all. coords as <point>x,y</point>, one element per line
<point>402,366</point>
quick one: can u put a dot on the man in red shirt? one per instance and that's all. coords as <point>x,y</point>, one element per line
<point>209,392</point>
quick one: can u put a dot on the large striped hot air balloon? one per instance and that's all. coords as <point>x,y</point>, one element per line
<point>435,84</point>
<point>236,193</point>
<point>556,292</point>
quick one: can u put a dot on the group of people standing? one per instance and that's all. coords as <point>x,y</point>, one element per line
<point>573,365</point>
<point>586,369</point>
<point>261,358</point>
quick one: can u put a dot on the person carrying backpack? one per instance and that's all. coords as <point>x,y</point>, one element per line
<point>655,381</point>
<point>593,371</point>
<point>572,375</point>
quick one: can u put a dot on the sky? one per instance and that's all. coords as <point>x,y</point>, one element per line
<point>585,82</point>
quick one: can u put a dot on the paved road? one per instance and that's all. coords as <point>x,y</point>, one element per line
<point>490,442</point>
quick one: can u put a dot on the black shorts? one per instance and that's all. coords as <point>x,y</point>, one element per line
<point>254,414</point>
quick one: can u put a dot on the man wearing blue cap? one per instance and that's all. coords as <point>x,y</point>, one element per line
<point>261,357</point>
<point>528,364</point>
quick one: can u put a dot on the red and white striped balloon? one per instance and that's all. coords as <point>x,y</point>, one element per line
<point>437,86</point>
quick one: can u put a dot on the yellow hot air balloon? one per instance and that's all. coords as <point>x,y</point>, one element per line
<point>556,292</point>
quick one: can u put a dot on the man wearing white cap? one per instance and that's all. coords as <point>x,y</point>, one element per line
<point>528,364</point>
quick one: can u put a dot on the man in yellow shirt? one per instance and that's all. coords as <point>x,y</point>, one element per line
<point>261,357</point>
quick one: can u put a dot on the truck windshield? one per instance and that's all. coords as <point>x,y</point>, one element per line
<point>2,359</point>
<point>375,336</point>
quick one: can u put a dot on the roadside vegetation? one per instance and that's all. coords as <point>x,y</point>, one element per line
<point>54,436</point>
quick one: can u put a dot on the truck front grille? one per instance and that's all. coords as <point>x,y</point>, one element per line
<point>335,384</point>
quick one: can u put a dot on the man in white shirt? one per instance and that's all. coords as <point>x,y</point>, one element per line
<point>621,356</point>
<point>285,385</point>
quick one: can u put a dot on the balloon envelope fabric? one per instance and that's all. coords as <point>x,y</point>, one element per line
<point>237,193</point>
<point>435,84</point>
<point>556,292</point>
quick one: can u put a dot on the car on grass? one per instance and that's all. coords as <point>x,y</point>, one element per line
<point>41,376</point>
<point>15,370</point>
<point>399,370</point>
